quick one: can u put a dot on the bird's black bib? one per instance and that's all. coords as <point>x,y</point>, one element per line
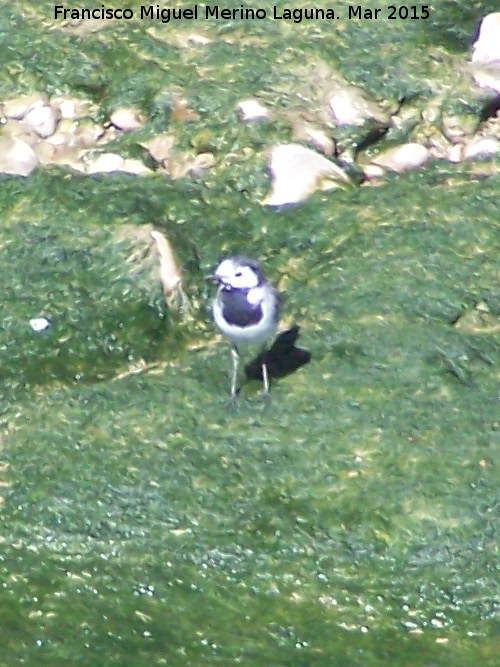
<point>236,309</point>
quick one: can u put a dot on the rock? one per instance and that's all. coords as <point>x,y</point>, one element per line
<point>127,119</point>
<point>16,157</point>
<point>110,134</point>
<point>18,107</point>
<point>68,109</point>
<point>71,109</point>
<point>488,76</point>
<point>17,129</point>
<point>252,110</point>
<point>87,133</point>
<point>105,163</point>
<point>478,320</point>
<point>486,54</point>
<point>372,172</point>
<point>485,147</point>
<point>343,110</point>
<point>297,172</point>
<point>111,162</point>
<point>350,106</point>
<point>131,166</point>
<point>486,48</point>
<point>170,273</point>
<point>406,156</point>
<point>160,147</point>
<point>182,165</point>
<point>455,153</point>
<point>42,120</point>
<point>181,111</point>
<point>39,324</point>
<point>45,152</point>
<point>455,127</point>
<point>64,135</point>
<point>61,154</point>
<point>320,140</point>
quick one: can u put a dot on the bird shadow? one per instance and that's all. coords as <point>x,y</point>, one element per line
<point>283,357</point>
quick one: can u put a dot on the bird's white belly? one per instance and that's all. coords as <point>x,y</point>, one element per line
<point>252,334</point>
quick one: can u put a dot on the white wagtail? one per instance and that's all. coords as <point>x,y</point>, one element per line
<point>246,310</point>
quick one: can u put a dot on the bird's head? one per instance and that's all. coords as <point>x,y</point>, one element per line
<point>238,273</point>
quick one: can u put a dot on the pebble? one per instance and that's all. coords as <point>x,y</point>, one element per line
<point>18,107</point>
<point>486,48</point>
<point>297,172</point>
<point>39,324</point>
<point>16,157</point>
<point>136,167</point>
<point>251,110</point>
<point>42,120</point>
<point>105,163</point>
<point>486,53</point>
<point>350,106</point>
<point>314,136</point>
<point>400,158</point>
<point>17,129</point>
<point>71,109</point>
<point>482,148</point>
<point>127,119</point>
<point>160,147</point>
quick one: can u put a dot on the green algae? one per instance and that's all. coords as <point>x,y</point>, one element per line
<point>354,519</point>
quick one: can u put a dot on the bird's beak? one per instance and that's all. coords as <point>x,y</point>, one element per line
<point>213,277</point>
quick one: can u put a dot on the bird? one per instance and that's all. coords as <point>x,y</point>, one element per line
<point>246,311</point>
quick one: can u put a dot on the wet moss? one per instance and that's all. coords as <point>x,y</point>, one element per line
<point>353,517</point>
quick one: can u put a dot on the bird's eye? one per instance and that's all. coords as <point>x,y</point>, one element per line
<point>238,274</point>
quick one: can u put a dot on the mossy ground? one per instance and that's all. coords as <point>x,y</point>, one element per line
<point>354,520</point>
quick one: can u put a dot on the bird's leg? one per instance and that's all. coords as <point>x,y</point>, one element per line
<point>236,358</point>
<point>265,379</point>
<point>265,374</point>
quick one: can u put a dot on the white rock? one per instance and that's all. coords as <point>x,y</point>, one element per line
<point>87,133</point>
<point>42,120</point>
<point>61,154</point>
<point>136,167</point>
<point>482,148</point>
<point>315,137</point>
<point>111,162</point>
<point>343,110</point>
<point>68,109</point>
<point>406,156</point>
<point>160,147</point>
<point>17,129</point>
<point>170,273</point>
<point>39,324</point>
<point>45,152</point>
<point>298,171</point>
<point>105,163</point>
<point>486,49</point>
<point>488,76</point>
<point>182,165</point>
<point>455,153</point>
<point>350,106</point>
<point>71,109</point>
<point>64,135</point>
<point>127,119</point>
<point>372,172</point>
<point>19,107</point>
<point>252,110</point>
<point>16,157</point>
